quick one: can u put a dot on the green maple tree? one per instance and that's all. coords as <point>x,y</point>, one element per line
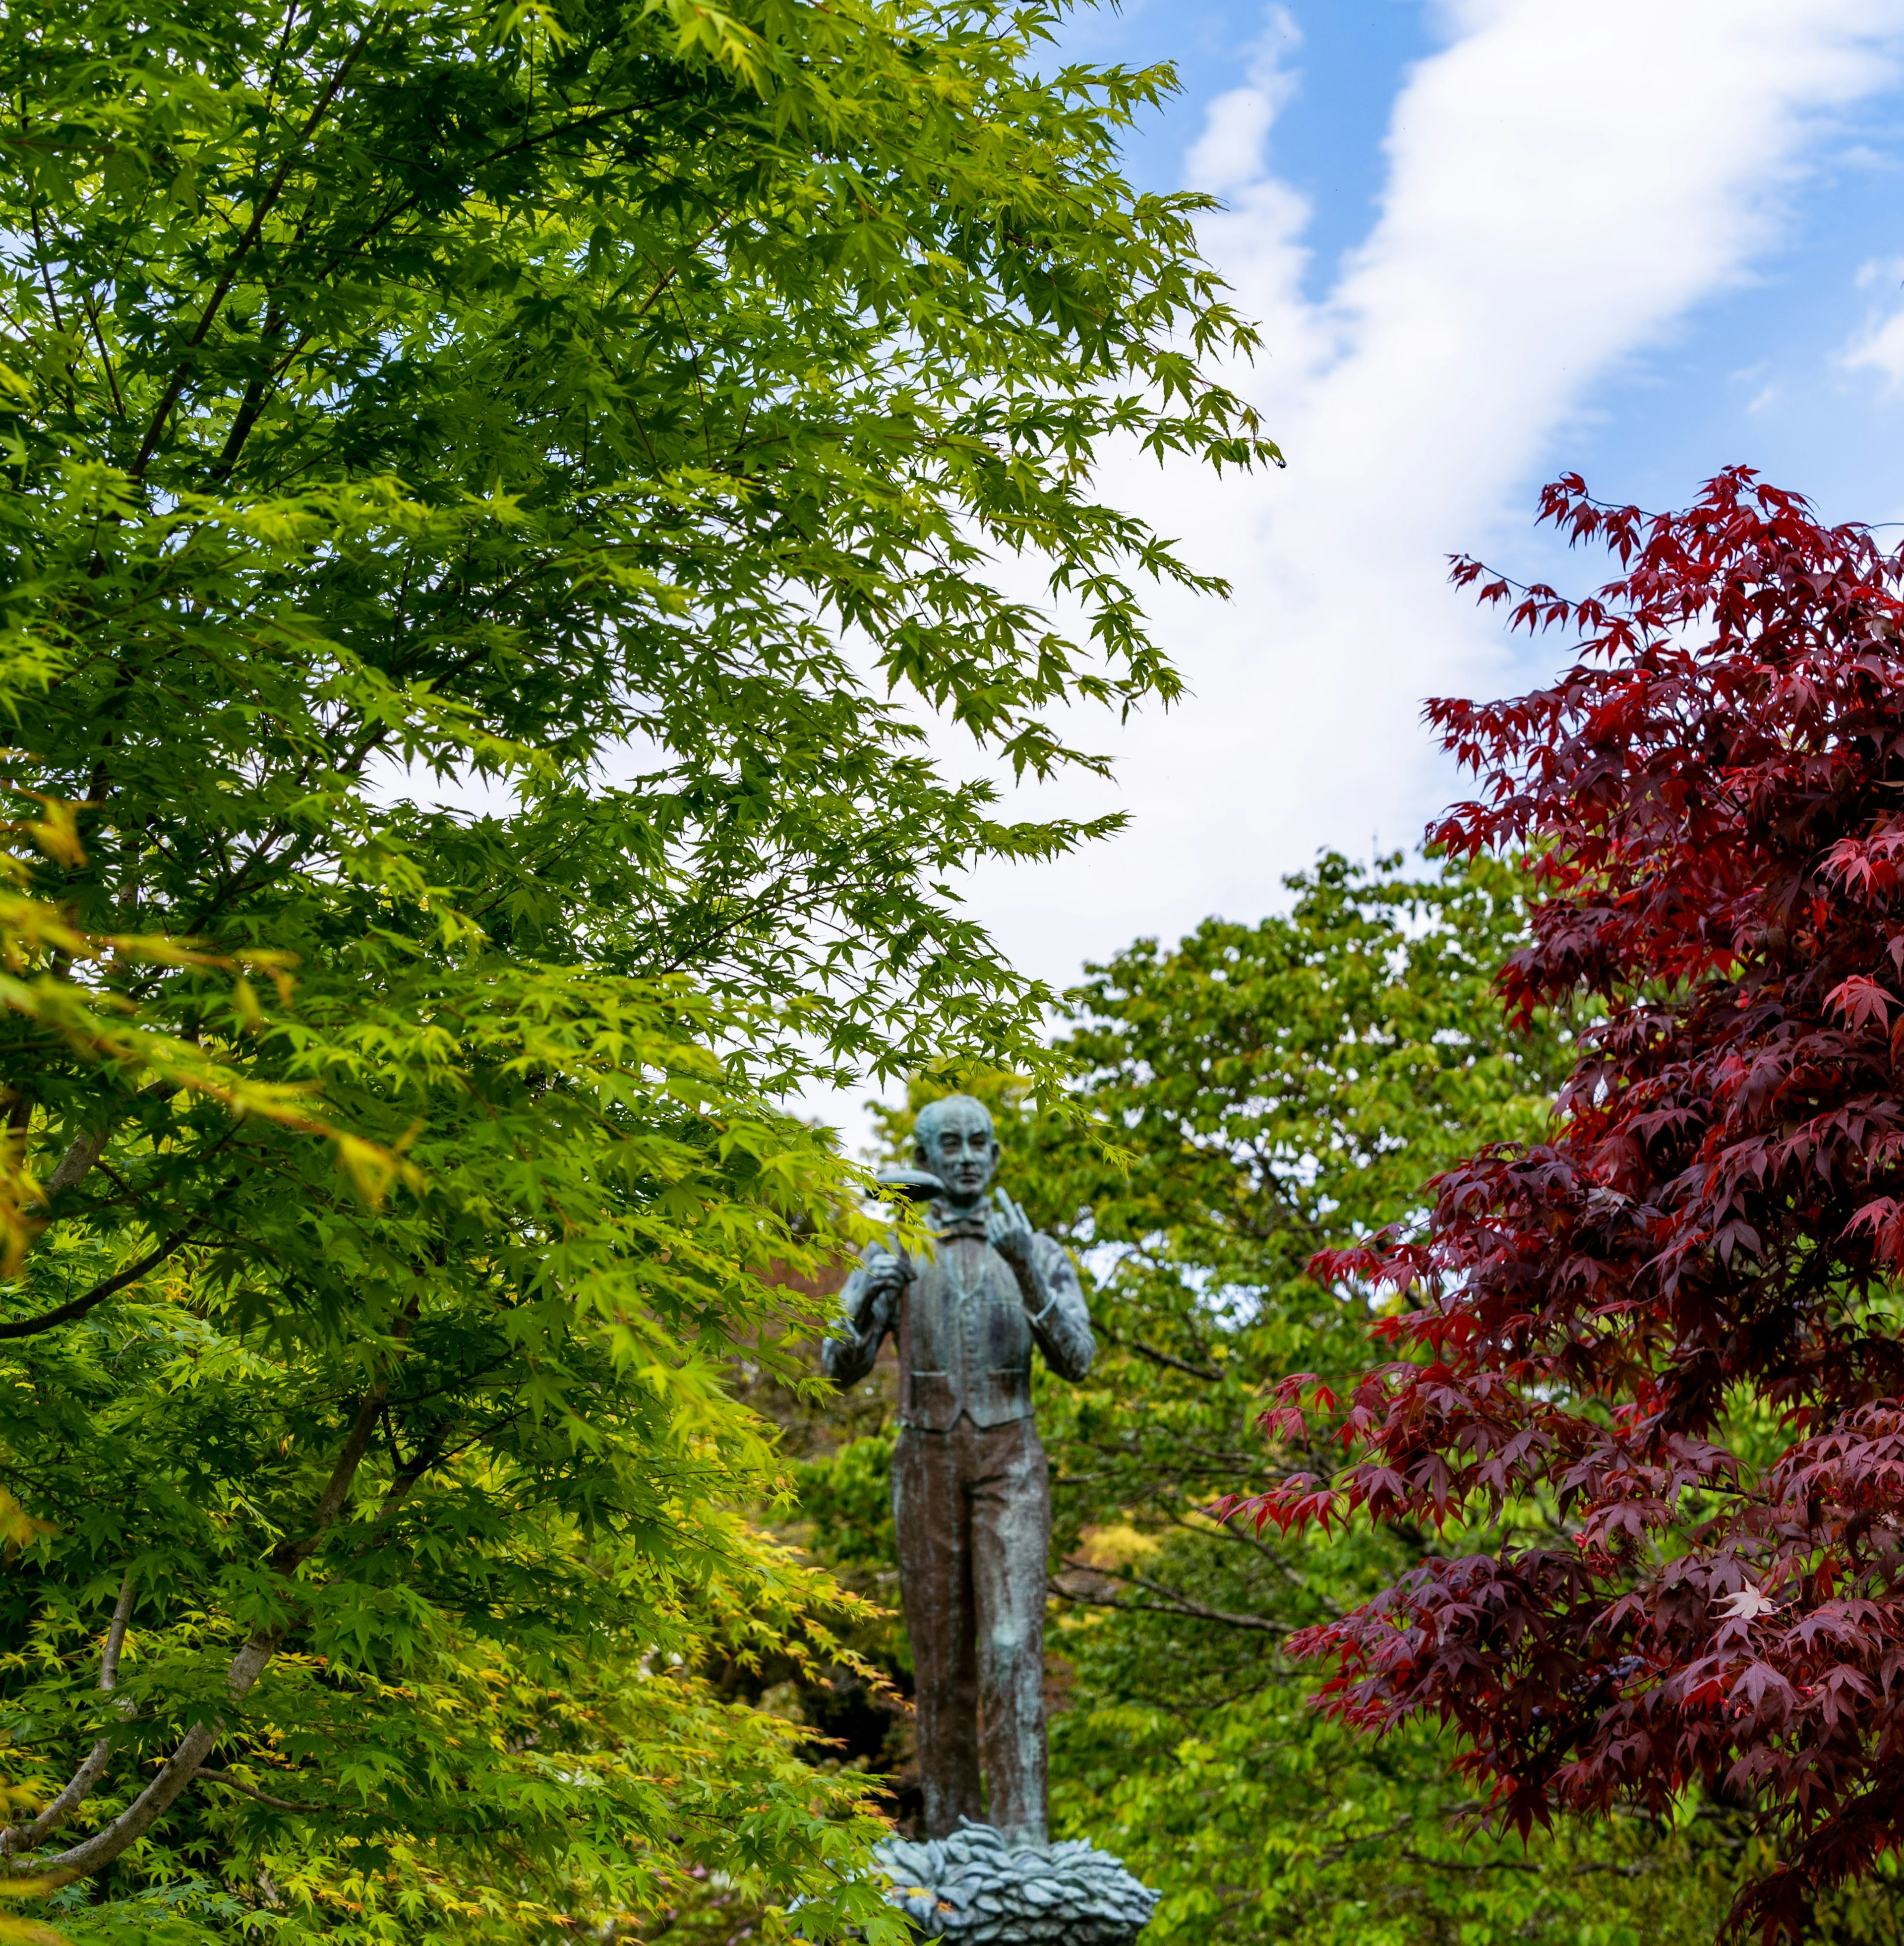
<point>486,488</point>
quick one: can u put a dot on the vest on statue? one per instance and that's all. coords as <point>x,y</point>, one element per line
<point>964,1343</point>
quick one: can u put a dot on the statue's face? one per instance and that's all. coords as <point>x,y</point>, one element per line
<point>957,1145</point>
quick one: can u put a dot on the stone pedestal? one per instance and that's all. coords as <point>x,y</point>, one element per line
<point>972,1889</point>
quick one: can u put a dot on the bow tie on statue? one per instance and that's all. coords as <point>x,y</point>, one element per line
<point>972,1226</point>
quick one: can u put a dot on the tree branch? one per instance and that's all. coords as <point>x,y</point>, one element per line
<point>188,1757</point>
<point>105,356</point>
<point>225,1777</point>
<point>85,1779</point>
<point>222,289</point>
<point>1172,1602</point>
<point>109,1658</point>
<point>1230,1531</point>
<point>1459,1865</point>
<point>1333,1854</point>
<point>85,1149</point>
<point>78,1307</point>
<point>1208,1374</point>
<point>290,1555</point>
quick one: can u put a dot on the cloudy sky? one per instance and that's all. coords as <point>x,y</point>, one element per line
<point>1488,240</point>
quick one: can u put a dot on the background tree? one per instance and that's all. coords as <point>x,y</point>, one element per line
<point>587,415</point>
<point>1274,1087</point>
<point>1676,1321</point>
<point>1270,1089</point>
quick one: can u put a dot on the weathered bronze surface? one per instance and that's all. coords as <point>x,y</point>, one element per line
<point>971,1493</point>
<point>973,1889</point>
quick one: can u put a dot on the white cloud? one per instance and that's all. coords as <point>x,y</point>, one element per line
<point>1564,184</point>
<point>1229,154</point>
<point>1879,347</point>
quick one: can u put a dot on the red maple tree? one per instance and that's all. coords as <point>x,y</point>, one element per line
<point>1676,1326</point>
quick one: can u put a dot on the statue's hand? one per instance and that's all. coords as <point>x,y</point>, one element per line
<point>1009,1231</point>
<point>886,1274</point>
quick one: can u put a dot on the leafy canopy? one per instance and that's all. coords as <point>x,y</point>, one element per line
<point>485,488</point>
<point>1277,1087</point>
<point>1677,1318</point>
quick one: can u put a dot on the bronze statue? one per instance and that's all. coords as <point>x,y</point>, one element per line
<point>971,1492</point>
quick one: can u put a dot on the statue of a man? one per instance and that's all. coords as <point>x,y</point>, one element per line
<point>971,1492</point>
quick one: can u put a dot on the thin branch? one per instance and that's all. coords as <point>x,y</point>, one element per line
<point>427,1455</point>
<point>20,1119</point>
<point>1332,1855</point>
<point>1525,1865</point>
<point>1230,1531</point>
<point>225,1777</point>
<point>78,1307</point>
<point>1172,1601</point>
<point>184,1764</point>
<point>215,303</point>
<point>1157,1357</point>
<point>1458,1865</point>
<point>46,280</point>
<point>284,42</point>
<point>105,356</point>
<point>85,1780</point>
<point>109,1659</point>
<point>291,1555</point>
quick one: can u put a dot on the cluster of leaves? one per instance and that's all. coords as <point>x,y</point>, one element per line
<point>1677,1319</point>
<point>474,478</point>
<point>409,1520</point>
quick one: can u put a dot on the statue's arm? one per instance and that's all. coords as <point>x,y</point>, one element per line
<point>1061,1320</point>
<point>867,1303</point>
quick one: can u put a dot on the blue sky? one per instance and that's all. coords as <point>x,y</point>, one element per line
<point>1750,372</point>
<point>1487,241</point>
<point>1348,66</point>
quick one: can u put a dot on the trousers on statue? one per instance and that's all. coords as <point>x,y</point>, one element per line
<point>973,1508</point>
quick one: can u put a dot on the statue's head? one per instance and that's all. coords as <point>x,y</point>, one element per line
<point>953,1138</point>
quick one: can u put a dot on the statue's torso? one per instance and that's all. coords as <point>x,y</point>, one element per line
<point>964,1345</point>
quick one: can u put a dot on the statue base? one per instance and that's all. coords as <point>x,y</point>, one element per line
<point>973,1889</point>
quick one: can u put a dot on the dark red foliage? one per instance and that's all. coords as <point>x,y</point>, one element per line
<point>1676,1327</point>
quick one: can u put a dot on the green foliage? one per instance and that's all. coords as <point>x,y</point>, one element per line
<point>1273,1089</point>
<point>1253,1093</point>
<point>476,478</point>
<point>847,1496</point>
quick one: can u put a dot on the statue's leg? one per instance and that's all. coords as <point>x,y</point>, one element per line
<point>1012,1535</point>
<point>933,1520</point>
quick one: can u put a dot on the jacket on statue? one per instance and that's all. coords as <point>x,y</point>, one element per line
<point>965,1330</point>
